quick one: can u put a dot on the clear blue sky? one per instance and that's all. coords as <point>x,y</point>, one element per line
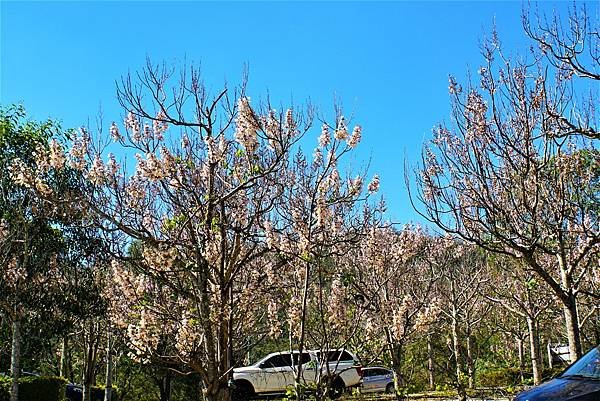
<point>386,62</point>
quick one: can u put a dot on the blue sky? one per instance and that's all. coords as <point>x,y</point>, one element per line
<point>386,62</point>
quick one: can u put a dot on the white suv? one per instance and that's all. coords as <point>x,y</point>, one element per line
<point>276,372</point>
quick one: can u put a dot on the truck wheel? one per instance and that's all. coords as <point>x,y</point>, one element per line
<point>337,388</point>
<point>241,391</point>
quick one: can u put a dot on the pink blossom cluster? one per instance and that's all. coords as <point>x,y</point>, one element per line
<point>246,126</point>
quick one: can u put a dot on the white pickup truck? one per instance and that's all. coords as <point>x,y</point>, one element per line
<point>276,372</point>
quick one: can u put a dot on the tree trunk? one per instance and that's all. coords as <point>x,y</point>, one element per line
<point>397,365</point>
<point>91,351</point>
<point>470,362</point>
<point>221,393</point>
<point>430,365</point>
<point>572,325</point>
<point>165,386</point>
<point>550,359</point>
<point>534,350</point>
<point>302,333</point>
<point>569,301</point>
<point>540,353</point>
<point>521,359</point>
<point>15,360</point>
<point>109,369</point>
<point>462,396</point>
<point>62,372</point>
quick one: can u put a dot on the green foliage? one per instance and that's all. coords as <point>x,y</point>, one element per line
<point>97,392</point>
<point>35,388</point>
<point>500,377</point>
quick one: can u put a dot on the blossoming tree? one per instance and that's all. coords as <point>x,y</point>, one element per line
<point>192,224</point>
<point>318,218</point>
<point>393,276</point>
<point>502,178</point>
<point>518,292</point>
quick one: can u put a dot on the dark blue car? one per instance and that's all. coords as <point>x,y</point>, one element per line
<point>580,382</point>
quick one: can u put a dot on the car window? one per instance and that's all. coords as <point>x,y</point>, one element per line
<point>368,372</point>
<point>304,359</point>
<point>334,356</point>
<point>277,361</point>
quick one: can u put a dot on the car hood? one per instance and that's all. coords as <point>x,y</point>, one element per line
<point>246,369</point>
<point>563,390</point>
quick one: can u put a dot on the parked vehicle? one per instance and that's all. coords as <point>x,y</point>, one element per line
<point>579,382</point>
<point>377,379</point>
<point>74,392</point>
<point>275,373</point>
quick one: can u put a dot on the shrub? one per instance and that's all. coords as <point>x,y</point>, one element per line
<point>35,388</point>
<point>97,393</point>
<point>500,377</point>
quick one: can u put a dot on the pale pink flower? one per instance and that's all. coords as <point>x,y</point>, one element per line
<point>272,126</point>
<point>42,160</point>
<point>317,157</point>
<point>132,123</point>
<point>337,304</point>
<point>168,160</point>
<point>453,87</point>
<point>136,191</point>
<point>97,172</point>
<point>341,132</point>
<point>325,138</point>
<point>154,170</point>
<point>355,185</point>
<point>57,155</point>
<point>79,150</point>
<point>271,237</point>
<point>160,125</point>
<point>114,132</point>
<point>272,314</point>
<point>147,131</point>
<point>290,123</point>
<point>112,166</point>
<point>21,173</point>
<point>374,184</point>
<point>246,126</point>
<point>355,137</point>
<point>322,212</point>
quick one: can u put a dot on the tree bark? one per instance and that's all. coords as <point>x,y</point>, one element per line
<point>165,386</point>
<point>62,372</point>
<point>550,360</point>
<point>91,351</point>
<point>397,365</point>
<point>15,360</point>
<point>521,359</point>
<point>430,365</point>
<point>534,350</point>
<point>109,369</point>
<point>572,323</point>
<point>462,396</point>
<point>470,363</point>
<point>569,301</point>
<point>221,394</point>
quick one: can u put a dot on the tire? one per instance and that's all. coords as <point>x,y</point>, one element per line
<point>241,391</point>
<point>389,388</point>
<point>336,389</point>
